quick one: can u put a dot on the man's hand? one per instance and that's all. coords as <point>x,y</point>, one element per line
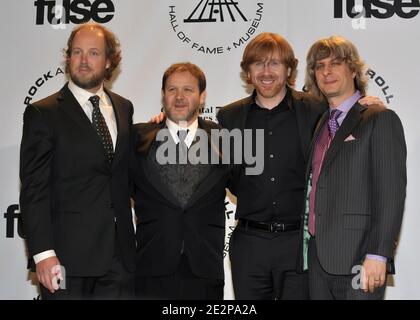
<point>369,100</point>
<point>47,271</point>
<point>158,118</point>
<point>374,274</point>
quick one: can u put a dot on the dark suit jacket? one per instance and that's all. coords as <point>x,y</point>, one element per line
<point>361,189</point>
<point>70,193</point>
<point>164,228</point>
<point>308,111</point>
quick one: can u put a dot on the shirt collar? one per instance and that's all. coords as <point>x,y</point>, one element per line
<point>174,127</point>
<point>347,104</point>
<point>82,96</point>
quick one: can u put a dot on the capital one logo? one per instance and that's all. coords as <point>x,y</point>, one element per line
<point>380,9</point>
<point>241,17</point>
<point>62,12</point>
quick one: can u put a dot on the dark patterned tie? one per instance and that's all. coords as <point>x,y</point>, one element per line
<point>333,122</point>
<point>101,128</point>
<point>183,149</point>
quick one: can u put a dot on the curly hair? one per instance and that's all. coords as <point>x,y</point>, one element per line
<point>112,47</point>
<point>340,48</point>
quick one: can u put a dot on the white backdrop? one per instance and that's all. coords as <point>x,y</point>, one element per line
<point>155,34</point>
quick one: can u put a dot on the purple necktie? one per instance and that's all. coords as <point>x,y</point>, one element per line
<point>333,123</point>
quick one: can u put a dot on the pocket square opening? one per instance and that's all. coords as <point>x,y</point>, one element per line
<point>350,138</point>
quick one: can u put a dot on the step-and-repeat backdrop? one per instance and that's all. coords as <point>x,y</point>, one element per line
<point>212,34</point>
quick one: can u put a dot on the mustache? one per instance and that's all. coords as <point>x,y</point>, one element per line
<point>85,66</point>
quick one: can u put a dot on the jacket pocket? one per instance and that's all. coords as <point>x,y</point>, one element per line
<point>356,221</point>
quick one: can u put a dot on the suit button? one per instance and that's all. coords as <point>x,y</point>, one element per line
<point>111,205</point>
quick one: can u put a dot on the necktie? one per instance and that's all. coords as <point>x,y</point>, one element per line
<point>333,122</point>
<point>183,149</point>
<point>101,128</point>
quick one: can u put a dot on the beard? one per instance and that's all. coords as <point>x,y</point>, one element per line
<point>176,117</point>
<point>89,81</point>
<point>269,91</point>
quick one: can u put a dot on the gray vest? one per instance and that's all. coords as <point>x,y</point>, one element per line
<point>181,179</point>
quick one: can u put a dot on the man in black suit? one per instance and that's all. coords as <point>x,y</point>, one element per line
<point>179,204</point>
<point>265,246</point>
<point>74,159</point>
<point>356,180</point>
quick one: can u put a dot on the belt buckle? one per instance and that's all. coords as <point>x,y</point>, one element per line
<point>276,227</point>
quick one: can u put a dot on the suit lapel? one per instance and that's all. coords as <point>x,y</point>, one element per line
<point>303,121</point>
<point>154,178</point>
<point>215,174</point>
<point>207,184</point>
<point>70,105</point>
<point>144,150</point>
<point>72,108</point>
<point>318,128</point>
<point>347,127</point>
<point>243,114</point>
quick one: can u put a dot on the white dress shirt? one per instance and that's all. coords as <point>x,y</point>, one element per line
<point>174,128</point>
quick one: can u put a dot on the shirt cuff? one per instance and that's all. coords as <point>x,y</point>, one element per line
<point>376,257</point>
<point>44,255</point>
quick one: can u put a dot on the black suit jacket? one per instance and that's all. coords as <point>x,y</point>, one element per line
<point>164,229</point>
<point>308,111</point>
<point>361,189</point>
<point>70,193</point>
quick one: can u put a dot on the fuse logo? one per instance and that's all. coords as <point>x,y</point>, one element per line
<point>11,215</point>
<point>380,9</point>
<point>74,11</point>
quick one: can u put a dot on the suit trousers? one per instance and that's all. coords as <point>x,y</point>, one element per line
<point>181,285</point>
<point>117,283</point>
<point>264,265</point>
<point>325,286</point>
